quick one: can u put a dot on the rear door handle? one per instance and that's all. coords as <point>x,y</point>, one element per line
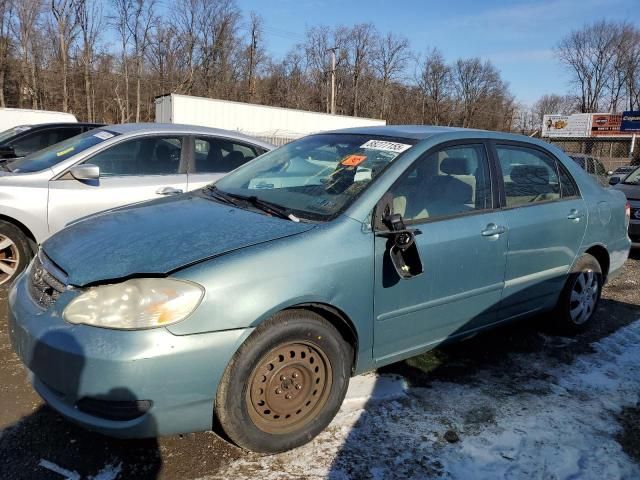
<point>168,191</point>
<point>574,215</point>
<point>493,230</point>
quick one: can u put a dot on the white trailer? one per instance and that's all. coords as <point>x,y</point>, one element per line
<point>12,117</point>
<point>274,124</point>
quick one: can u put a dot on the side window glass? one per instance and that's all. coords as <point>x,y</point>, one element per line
<point>218,155</point>
<point>64,133</point>
<point>448,182</point>
<point>529,175</point>
<point>144,156</point>
<point>33,142</point>
<point>568,187</point>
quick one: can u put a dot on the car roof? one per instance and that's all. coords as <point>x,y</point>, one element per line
<point>422,132</point>
<point>60,124</point>
<point>418,132</point>
<point>180,129</point>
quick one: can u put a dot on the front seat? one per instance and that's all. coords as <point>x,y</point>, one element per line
<point>450,195</point>
<point>232,161</point>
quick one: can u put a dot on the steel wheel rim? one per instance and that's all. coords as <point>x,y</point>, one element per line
<point>584,295</point>
<point>9,259</point>
<point>288,387</point>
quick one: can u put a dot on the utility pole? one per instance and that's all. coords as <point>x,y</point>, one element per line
<point>333,79</point>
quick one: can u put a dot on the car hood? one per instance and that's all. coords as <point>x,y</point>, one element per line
<point>632,192</point>
<point>159,237</point>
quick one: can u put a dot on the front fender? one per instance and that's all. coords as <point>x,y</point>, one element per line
<point>331,265</point>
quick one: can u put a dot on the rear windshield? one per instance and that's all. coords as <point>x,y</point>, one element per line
<point>59,152</point>
<point>12,132</point>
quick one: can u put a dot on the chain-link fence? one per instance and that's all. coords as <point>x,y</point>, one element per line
<point>599,155</point>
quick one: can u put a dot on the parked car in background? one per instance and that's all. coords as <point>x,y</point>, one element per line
<point>24,140</point>
<point>12,117</point>
<point>619,173</point>
<point>630,186</point>
<point>249,303</point>
<point>592,166</point>
<point>105,168</point>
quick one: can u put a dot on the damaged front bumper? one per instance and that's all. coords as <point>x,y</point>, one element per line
<point>128,384</point>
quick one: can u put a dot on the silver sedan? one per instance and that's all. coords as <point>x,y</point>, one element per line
<point>106,168</point>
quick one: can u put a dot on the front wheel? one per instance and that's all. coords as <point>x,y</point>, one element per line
<point>580,296</point>
<point>15,252</point>
<point>285,384</point>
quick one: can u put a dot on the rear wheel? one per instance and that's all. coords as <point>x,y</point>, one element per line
<point>285,383</point>
<point>15,252</point>
<point>580,296</point>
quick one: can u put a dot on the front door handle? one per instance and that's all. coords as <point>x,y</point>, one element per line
<point>574,215</point>
<point>168,191</point>
<point>493,230</point>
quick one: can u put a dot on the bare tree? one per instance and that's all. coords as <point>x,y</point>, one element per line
<point>589,54</point>
<point>27,17</point>
<point>553,104</point>
<point>6,13</point>
<point>89,16</point>
<point>434,81</point>
<point>362,40</point>
<point>474,83</point>
<point>64,25</point>
<point>254,55</point>
<point>390,60</point>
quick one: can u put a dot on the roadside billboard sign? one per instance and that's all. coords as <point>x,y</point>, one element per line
<point>575,125</point>
<point>606,124</point>
<point>630,122</point>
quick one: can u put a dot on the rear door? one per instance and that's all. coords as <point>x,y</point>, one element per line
<point>546,218</point>
<point>131,171</point>
<point>214,157</point>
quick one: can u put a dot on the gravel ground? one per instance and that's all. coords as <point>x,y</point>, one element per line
<point>35,441</point>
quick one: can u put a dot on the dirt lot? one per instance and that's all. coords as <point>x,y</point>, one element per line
<point>516,402</point>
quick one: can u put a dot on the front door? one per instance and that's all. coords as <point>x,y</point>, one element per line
<point>132,171</point>
<point>448,196</point>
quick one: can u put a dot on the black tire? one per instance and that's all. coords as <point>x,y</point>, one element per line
<point>579,296</point>
<point>16,255</point>
<point>309,344</point>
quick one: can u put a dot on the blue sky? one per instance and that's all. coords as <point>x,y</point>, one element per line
<point>518,36</point>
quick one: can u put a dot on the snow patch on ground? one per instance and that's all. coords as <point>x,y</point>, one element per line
<point>543,420</point>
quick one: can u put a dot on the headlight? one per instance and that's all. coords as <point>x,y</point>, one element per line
<point>135,304</point>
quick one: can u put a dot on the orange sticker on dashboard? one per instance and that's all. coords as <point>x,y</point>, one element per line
<point>353,160</point>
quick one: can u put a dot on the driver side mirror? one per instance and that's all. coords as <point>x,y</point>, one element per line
<point>401,244</point>
<point>86,171</point>
<point>614,180</point>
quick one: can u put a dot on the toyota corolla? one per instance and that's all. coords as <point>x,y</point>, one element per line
<point>250,303</point>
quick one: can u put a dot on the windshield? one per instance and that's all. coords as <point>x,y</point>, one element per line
<point>633,178</point>
<point>12,132</point>
<point>315,177</point>
<point>55,154</point>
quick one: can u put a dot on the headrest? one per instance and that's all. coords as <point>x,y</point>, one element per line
<point>214,155</point>
<point>529,174</point>
<point>455,166</point>
<point>163,152</point>
<point>236,157</point>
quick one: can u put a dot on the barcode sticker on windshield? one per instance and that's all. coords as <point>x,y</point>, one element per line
<point>386,146</point>
<point>103,135</point>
